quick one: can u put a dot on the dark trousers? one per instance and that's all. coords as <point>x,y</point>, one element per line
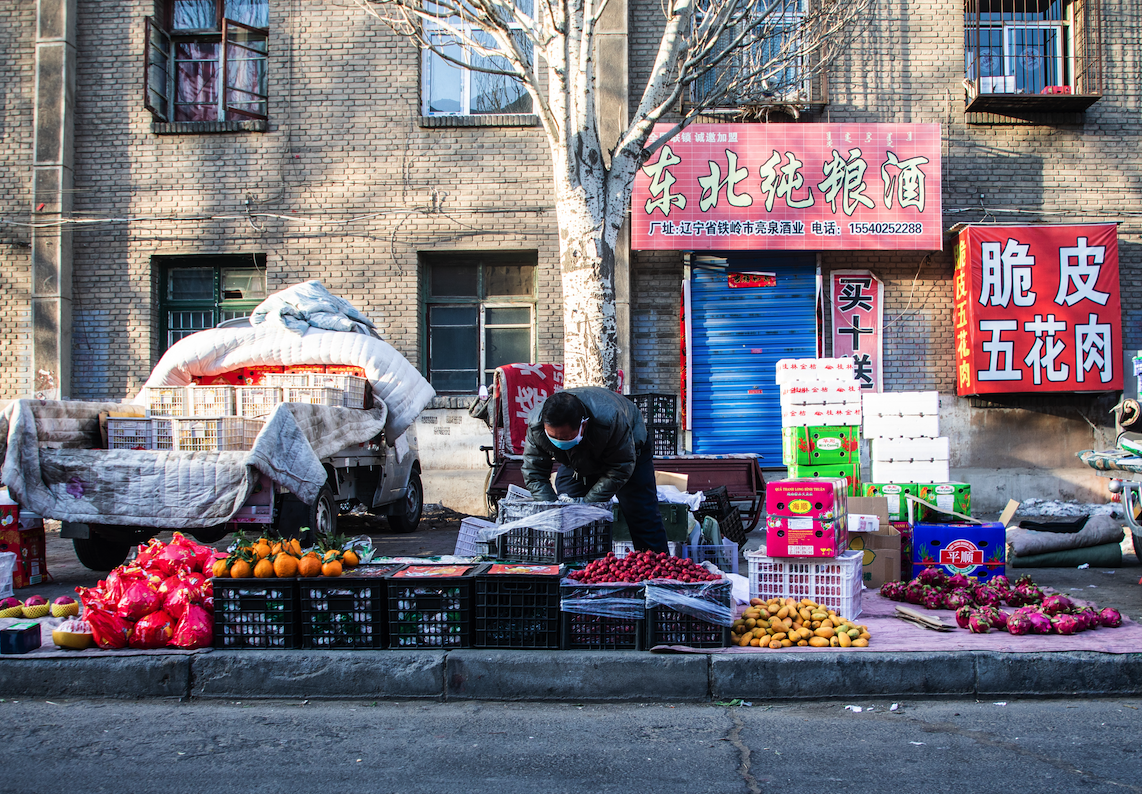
<point>638,499</point>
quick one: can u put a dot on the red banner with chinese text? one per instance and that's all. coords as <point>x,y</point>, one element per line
<point>857,297</point>
<point>1036,309</point>
<point>795,187</point>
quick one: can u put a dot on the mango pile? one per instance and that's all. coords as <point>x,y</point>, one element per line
<point>783,623</point>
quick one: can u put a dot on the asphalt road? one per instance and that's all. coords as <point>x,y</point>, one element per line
<point>331,747</point>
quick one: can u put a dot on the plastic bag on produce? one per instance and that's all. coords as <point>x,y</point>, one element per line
<point>108,629</point>
<point>203,556</point>
<point>621,600</point>
<point>707,601</point>
<point>195,629</point>
<point>147,553</point>
<point>140,599</point>
<point>75,625</point>
<point>174,558</point>
<point>363,545</point>
<point>95,598</point>
<point>118,580</point>
<point>179,597</point>
<point>153,631</point>
<point>556,519</point>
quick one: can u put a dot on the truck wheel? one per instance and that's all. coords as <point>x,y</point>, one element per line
<point>323,513</point>
<point>100,554</point>
<point>410,507</point>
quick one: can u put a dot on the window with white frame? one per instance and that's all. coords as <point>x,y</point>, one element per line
<point>452,81</point>
<point>206,61</point>
<point>765,68</point>
<point>479,313</point>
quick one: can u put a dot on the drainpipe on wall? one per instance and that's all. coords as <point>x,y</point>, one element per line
<point>52,182</point>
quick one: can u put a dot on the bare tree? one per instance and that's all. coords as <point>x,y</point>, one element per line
<point>750,54</point>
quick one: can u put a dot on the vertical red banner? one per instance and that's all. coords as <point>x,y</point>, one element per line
<point>857,298</point>
<point>1037,309</point>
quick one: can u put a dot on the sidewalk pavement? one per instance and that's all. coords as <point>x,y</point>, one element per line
<point>573,676</point>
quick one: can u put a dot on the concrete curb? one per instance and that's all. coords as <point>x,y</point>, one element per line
<point>574,675</point>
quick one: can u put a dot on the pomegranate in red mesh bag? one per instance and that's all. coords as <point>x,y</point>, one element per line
<point>195,629</point>
<point>153,631</point>
<point>179,597</point>
<point>140,599</point>
<point>108,629</point>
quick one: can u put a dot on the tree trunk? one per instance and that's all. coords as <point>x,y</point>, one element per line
<point>587,264</point>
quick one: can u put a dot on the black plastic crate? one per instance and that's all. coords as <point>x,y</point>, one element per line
<point>587,632</point>
<point>665,440</point>
<point>256,613</point>
<point>348,612</point>
<point>429,610</point>
<point>668,626</point>
<point>584,543</point>
<point>729,523</point>
<point>657,409</point>
<point>516,611</point>
<point>715,503</point>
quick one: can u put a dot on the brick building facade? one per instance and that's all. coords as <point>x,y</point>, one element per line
<point>349,181</point>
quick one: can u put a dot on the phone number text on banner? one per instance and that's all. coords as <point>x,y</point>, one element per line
<point>803,187</point>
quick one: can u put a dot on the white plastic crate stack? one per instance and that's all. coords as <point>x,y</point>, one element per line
<point>905,444</point>
<point>818,392</point>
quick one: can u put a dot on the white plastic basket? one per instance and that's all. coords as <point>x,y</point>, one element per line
<point>285,379</point>
<point>833,583</point>
<point>130,433</point>
<point>314,395</point>
<point>210,401</point>
<point>166,400</point>
<point>256,401</point>
<point>351,387</point>
<point>220,434</point>
<point>468,541</point>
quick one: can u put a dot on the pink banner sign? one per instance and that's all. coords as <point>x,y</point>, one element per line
<point>857,297</point>
<point>795,187</point>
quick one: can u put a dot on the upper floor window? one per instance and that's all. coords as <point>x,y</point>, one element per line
<point>480,315</point>
<point>206,61</point>
<point>765,65</point>
<point>1032,54</point>
<point>458,79</point>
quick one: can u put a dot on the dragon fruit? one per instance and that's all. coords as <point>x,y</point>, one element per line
<point>933,599</point>
<point>1040,623</point>
<point>996,617</point>
<point>1013,598</point>
<point>1110,618</point>
<point>963,616</point>
<point>1000,582</point>
<point>1088,616</point>
<point>1063,623</point>
<point>914,592</point>
<point>988,596</point>
<point>958,582</point>
<point>893,591</point>
<point>1058,605</point>
<point>933,577</point>
<point>956,599</point>
<point>1029,592</point>
<point>979,624</point>
<point>1019,623</point>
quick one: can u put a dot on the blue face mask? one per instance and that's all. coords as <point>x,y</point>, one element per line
<point>565,445</point>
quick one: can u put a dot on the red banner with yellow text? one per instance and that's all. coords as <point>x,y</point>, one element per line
<point>1037,309</point>
<point>795,187</point>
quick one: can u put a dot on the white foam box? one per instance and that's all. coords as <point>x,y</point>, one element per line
<point>791,370</point>
<point>834,415</point>
<point>902,403</point>
<point>819,393</point>
<point>907,450</point>
<point>880,426</point>
<point>910,471</point>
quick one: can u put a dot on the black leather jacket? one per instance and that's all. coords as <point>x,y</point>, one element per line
<point>612,440</point>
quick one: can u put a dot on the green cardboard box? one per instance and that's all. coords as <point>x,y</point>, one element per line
<point>954,496</point>
<point>817,446</point>
<point>894,492</point>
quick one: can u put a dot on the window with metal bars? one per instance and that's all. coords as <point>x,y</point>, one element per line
<point>1033,54</point>
<point>479,314</point>
<point>199,292</point>
<point>205,61</point>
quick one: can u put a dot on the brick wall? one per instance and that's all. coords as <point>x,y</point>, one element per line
<point>345,186</point>
<point>17,78</point>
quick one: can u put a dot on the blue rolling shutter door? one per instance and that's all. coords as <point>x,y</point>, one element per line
<point>737,337</point>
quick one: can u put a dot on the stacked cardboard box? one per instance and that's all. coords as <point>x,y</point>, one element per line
<point>904,433</point>
<point>820,419</point>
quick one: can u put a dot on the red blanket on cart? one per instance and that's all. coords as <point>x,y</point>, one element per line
<point>519,389</point>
